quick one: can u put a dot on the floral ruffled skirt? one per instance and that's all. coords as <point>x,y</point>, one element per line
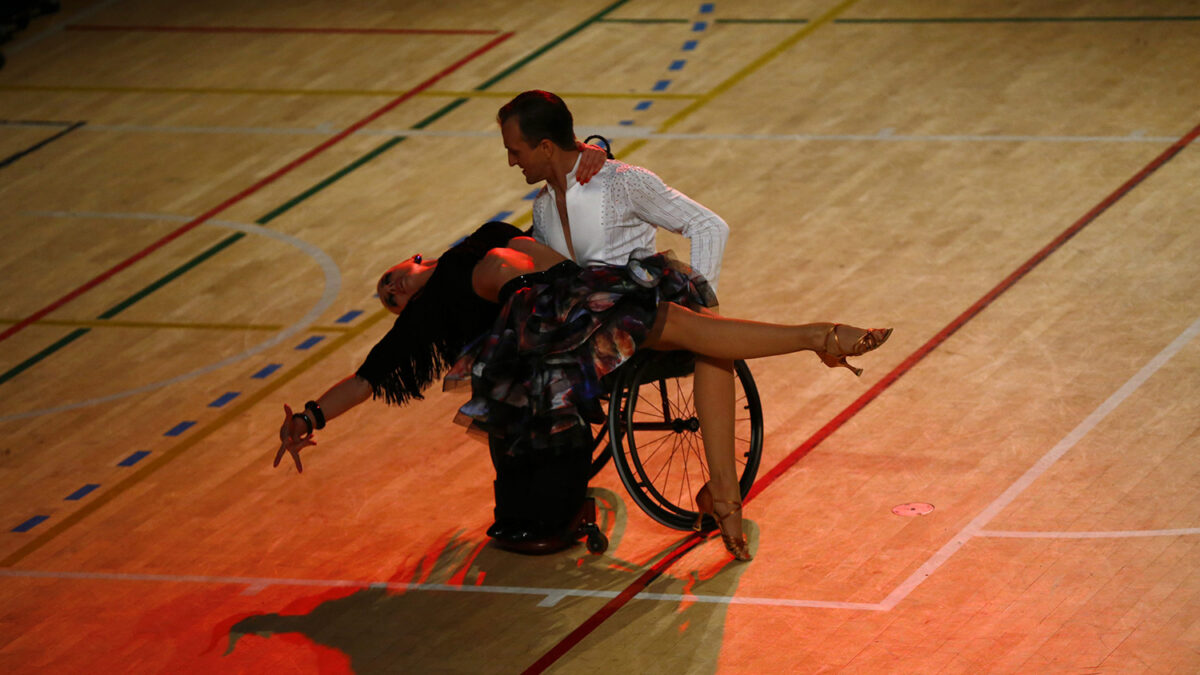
<point>542,369</point>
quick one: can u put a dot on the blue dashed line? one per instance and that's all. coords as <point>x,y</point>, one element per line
<point>690,45</point>
<point>676,64</point>
<point>532,195</point>
<point>30,524</point>
<point>349,316</point>
<point>661,85</point>
<point>307,344</point>
<point>266,372</point>
<point>134,458</point>
<point>643,105</point>
<point>626,123</point>
<point>81,492</point>
<point>223,399</point>
<point>180,428</point>
<point>699,26</point>
<point>706,8</point>
<point>502,216</point>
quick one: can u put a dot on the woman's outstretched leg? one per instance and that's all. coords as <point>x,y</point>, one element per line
<point>707,334</point>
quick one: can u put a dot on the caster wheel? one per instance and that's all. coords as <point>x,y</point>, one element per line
<point>597,543</point>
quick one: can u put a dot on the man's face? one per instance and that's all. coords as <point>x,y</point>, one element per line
<point>534,161</point>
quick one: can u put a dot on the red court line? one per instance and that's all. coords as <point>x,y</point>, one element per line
<point>566,644</point>
<point>912,360</point>
<point>612,606</point>
<point>24,323</point>
<point>282,29</point>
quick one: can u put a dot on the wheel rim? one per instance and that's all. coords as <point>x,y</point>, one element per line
<point>658,448</point>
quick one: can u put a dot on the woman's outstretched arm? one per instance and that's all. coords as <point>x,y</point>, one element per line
<point>295,434</point>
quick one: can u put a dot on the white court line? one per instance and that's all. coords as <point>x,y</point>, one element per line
<point>1121,534</point>
<point>550,596</point>
<point>976,527</point>
<point>644,133</point>
<point>333,286</point>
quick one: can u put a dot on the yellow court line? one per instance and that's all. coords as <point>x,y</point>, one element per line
<point>251,400</point>
<point>389,93</point>
<point>745,72</point>
<point>658,95</point>
<point>109,323</point>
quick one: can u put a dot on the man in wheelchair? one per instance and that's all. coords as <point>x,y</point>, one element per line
<point>609,219</point>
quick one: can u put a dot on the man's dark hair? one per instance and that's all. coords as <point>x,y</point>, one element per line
<point>540,115</point>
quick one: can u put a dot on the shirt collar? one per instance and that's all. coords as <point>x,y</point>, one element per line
<point>571,182</point>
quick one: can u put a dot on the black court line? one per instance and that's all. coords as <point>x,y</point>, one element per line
<point>41,144</point>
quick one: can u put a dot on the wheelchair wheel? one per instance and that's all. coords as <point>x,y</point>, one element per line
<point>656,443</point>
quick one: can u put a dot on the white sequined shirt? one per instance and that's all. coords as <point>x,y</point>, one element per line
<point>614,215</point>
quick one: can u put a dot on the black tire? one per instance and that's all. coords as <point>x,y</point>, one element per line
<point>597,543</point>
<point>656,443</point>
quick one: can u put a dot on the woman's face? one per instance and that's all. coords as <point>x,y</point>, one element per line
<point>400,284</point>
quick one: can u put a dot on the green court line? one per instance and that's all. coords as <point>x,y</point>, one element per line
<point>333,178</point>
<point>176,325</point>
<point>439,114</point>
<point>24,365</point>
<point>758,21</point>
<point>550,45</point>
<point>171,276</point>
<point>651,20</point>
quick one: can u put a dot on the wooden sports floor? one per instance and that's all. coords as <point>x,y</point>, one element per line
<point>197,199</point>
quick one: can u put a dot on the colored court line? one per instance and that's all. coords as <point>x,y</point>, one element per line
<point>12,330</point>
<point>190,440</point>
<point>281,29</point>
<point>953,327</point>
<point>648,20</point>
<point>303,366</point>
<point>134,458</point>
<point>159,325</point>
<point>39,145</point>
<point>81,492</point>
<point>33,360</point>
<point>348,93</point>
<point>1023,19</point>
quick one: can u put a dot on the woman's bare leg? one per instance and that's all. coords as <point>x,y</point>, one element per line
<point>718,341</point>
<point>712,386</point>
<point>678,327</point>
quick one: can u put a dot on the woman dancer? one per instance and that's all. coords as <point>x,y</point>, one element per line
<point>557,330</point>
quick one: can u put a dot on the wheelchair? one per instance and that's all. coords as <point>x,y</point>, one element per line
<point>653,438</point>
<point>653,435</point>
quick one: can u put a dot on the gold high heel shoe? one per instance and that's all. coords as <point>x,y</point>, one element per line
<point>872,339</point>
<point>705,504</point>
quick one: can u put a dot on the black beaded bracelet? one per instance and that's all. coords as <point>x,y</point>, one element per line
<point>307,421</point>
<point>317,413</point>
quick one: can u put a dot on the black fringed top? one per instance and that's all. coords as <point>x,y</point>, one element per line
<point>438,323</point>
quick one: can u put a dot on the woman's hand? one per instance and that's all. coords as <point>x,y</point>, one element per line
<point>294,436</point>
<point>590,162</point>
